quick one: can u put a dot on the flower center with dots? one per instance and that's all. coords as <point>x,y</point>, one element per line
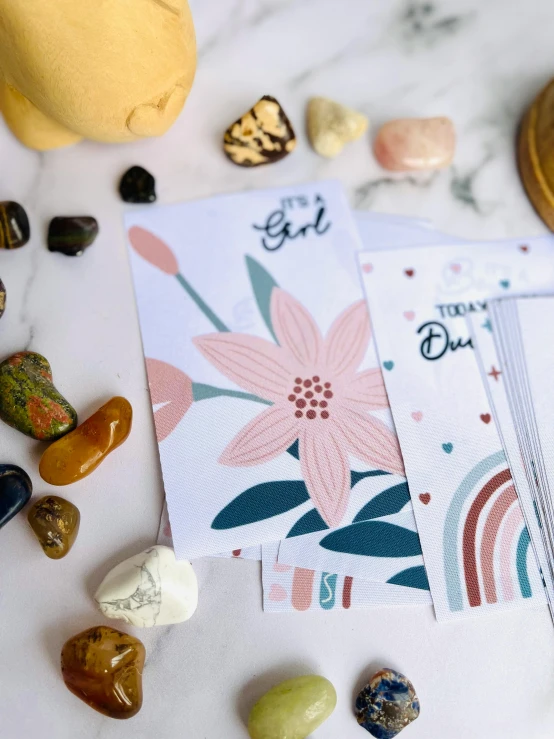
<point>311,398</point>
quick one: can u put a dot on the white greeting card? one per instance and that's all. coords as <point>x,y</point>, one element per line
<point>269,404</point>
<point>288,588</point>
<point>492,364</point>
<point>459,480</point>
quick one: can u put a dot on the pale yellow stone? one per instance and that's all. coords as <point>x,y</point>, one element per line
<point>113,71</point>
<point>332,125</point>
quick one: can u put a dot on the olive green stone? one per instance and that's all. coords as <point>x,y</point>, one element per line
<point>29,401</point>
<point>293,709</point>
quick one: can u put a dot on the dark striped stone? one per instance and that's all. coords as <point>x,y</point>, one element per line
<point>14,226</point>
<point>137,186</point>
<point>2,298</point>
<point>15,491</point>
<point>71,235</point>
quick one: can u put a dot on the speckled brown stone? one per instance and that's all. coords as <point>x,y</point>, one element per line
<point>262,136</point>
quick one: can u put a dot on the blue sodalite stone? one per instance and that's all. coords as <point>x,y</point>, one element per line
<point>387,704</point>
<point>15,491</point>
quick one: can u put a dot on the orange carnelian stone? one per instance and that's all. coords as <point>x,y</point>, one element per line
<point>103,667</point>
<point>79,453</point>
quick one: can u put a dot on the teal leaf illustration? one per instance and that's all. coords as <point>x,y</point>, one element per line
<point>260,502</point>
<point>355,477</point>
<point>293,449</point>
<point>310,522</point>
<point>262,286</point>
<point>413,577</point>
<point>373,539</point>
<point>389,501</point>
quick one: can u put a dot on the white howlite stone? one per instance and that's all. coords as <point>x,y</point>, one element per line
<point>150,589</point>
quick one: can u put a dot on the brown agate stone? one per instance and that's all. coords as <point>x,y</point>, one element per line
<point>103,667</point>
<point>55,523</point>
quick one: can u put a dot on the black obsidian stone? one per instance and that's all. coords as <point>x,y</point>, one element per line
<point>15,491</point>
<point>138,186</point>
<point>71,235</point>
<point>14,226</point>
<point>2,298</point>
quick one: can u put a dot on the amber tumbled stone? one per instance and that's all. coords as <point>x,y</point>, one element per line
<point>55,523</point>
<point>103,667</point>
<point>79,453</point>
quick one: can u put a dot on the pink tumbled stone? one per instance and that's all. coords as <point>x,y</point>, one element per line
<point>415,143</point>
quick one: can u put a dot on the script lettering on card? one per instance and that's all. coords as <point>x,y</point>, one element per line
<point>289,221</point>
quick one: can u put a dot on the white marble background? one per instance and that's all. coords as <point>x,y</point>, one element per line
<point>478,62</point>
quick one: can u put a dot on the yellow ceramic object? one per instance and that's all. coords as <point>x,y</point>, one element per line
<point>79,453</point>
<point>116,70</point>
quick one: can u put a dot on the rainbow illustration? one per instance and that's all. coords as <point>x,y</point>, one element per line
<point>486,542</point>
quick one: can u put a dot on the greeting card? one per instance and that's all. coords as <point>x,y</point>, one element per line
<point>460,483</point>
<point>269,404</point>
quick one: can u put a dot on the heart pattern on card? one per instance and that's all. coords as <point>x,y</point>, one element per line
<point>409,315</point>
<point>456,268</point>
<point>388,365</point>
<point>409,272</point>
<point>425,498</point>
<point>505,284</point>
<point>417,416</point>
<point>524,248</point>
<point>367,268</point>
<point>448,447</point>
<point>277,593</point>
<point>485,417</point>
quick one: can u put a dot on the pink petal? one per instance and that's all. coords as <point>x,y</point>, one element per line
<point>347,340</point>
<point>326,472</point>
<point>294,327</point>
<point>264,438</point>
<point>369,440</point>
<point>153,249</point>
<point>367,391</point>
<point>254,364</point>
<point>168,385</point>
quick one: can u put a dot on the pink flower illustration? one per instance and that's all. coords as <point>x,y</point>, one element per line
<point>172,387</point>
<point>317,395</point>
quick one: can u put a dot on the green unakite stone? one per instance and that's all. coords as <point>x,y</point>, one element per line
<point>29,401</point>
<point>293,709</point>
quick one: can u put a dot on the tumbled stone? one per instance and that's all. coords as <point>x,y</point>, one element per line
<point>79,453</point>
<point>293,709</point>
<point>29,401</point>
<point>137,186</point>
<point>15,491</point>
<point>150,589</point>
<point>331,126</point>
<point>72,235</point>
<point>2,298</point>
<point>262,136</point>
<point>415,143</point>
<point>14,226</point>
<point>387,704</point>
<point>103,667</point>
<point>55,523</point>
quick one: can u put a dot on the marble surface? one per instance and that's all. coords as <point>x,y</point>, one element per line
<point>478,62</point>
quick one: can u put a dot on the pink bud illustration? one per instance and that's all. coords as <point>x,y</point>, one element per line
<point>170,386</point>
<point>153,249</point>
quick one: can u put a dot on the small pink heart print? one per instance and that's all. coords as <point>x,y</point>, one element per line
<point>409,272</point>
<point>417,416</point>
<point>409,315</point>
<point>277,593</point>
<point>278,567</point>
<point>456,268</point>
<point>367,268</point>
<point>524,248</point>
<point>485,417</point>
<point>425,498</point>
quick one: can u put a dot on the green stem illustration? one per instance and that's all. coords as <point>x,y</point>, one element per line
<point>204,307</point>
<point>203,392</point>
